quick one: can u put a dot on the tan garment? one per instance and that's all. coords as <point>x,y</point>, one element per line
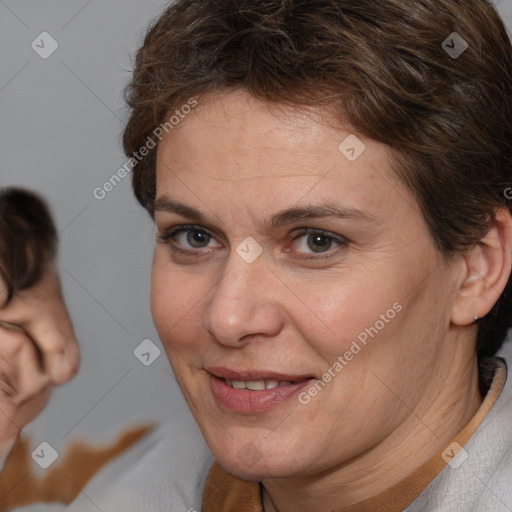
<point>225,493</point>
<point>64,480</point>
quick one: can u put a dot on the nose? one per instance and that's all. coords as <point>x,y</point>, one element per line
<point>245,304</point>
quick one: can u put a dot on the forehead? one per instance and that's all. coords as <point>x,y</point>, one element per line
<point>235,148</point>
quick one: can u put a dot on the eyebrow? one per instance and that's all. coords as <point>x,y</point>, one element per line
<point>318,211</point>
<point>165,204</point>
<point>282,218</point>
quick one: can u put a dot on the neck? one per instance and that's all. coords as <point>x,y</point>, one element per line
<point>447,405</point>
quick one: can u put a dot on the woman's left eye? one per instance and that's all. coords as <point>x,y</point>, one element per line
<point>317,242</point>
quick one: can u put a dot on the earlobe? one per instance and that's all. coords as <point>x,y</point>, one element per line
<point>487,270</point>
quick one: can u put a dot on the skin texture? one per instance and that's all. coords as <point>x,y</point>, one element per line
<point>405,394</point>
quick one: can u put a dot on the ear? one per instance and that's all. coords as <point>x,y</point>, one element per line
<point>487,269</point>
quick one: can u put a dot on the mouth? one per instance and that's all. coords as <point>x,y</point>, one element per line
<point>257,385</point>
<point>253,391</point>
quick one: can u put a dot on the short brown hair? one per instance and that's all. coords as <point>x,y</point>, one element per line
<point>28,239</point>
<point>383,66</point>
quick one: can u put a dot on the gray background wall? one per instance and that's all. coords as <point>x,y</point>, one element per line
<point>61,118</point>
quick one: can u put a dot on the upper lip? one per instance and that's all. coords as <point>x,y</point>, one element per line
<point>247,375</point>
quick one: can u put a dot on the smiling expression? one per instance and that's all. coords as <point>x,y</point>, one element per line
<point>274,252</point>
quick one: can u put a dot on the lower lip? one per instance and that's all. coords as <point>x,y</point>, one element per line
<point>246,401</point>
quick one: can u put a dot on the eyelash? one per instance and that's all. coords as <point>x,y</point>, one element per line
<point>168,236</point>
<point>339,240</point>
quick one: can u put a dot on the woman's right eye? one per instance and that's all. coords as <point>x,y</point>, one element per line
<point>189,239</point>
<point>194,238</point>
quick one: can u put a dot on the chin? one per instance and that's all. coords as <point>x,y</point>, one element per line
<point>251,464</point>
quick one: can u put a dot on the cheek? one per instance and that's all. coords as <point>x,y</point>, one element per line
<point>176,302</point>
<point>333,313</point>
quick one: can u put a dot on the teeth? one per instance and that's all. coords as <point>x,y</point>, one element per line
<point>256,385</point>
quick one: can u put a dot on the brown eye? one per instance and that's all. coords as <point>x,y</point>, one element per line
<point>319,243</point>
<point>313,242</point>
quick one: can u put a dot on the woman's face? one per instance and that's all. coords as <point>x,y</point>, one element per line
<point>302,269</point>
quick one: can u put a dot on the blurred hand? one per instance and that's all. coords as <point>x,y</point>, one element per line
<point>38,348</point>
